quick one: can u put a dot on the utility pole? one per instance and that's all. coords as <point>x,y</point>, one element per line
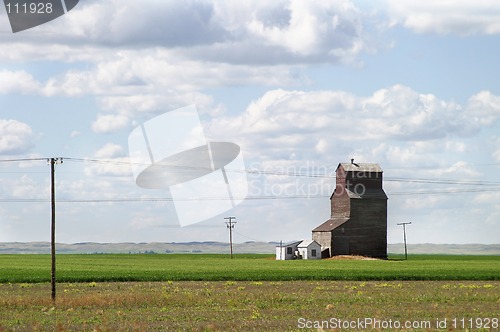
<point>230,225</point>
<point>53,162</point>
<point>404,234</point>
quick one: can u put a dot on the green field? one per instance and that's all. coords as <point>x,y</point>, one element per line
<point>200,292</point>
<point>206,267</point>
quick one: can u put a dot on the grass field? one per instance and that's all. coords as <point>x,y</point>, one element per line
<point>122,267</point>
<point>249,305</point>
<point>248,293</point>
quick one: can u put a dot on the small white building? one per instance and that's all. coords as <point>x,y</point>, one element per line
<point>287,251</point>
<point>307,249</point>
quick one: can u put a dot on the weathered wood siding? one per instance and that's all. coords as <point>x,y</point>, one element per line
<point>325,241</point>
<point>365,233</point>
<point>340,203</point>
<point>366,230</point>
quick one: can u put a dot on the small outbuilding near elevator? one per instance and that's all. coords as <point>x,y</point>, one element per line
<point>307,249</point>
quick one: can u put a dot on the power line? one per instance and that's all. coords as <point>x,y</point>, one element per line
<point>438,192</point>
<point>445,181</point>
<point>150,199</point>
<point>294,174</point>
<point>269,172</point>
<point>262,197</point>
<point>248,237</point>
<point>485,186</point>
<point>21,160</point>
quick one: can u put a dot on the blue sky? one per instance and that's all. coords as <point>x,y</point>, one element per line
<point>299,85</point>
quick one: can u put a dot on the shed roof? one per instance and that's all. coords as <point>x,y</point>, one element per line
<point>306,243</point>
<point>331,224</point>
<point>361,167</point>
<point>290,244</point>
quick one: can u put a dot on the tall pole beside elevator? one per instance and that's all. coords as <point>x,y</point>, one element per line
<point>404,234</point>
<point>53,162</point>
<point>230,225</point>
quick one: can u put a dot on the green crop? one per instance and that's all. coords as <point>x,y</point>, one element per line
<point>206,267</point>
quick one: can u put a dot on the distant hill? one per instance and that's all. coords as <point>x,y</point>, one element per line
<point>449,249</point>
<point>223,248</point>
<point>133,248</point>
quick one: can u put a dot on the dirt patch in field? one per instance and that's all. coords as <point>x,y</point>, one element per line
<point>353,258</point>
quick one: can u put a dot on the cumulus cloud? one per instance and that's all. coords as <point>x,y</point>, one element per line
<point>397,112</point>
<point>105,124</point>
<point>18,82</point>
<point>15,137</point>
<point>21,187</point>
<point>461,17</point>
<point>223,31</point>
<point>115,162</point>
<point>285,124</point>
<point>110,150</point>
<point>308,28</point>
<point>147,72</point>
<point>484,107</point>
<point>402,113</point>
<point>172,23</point>
<point>132,84</point>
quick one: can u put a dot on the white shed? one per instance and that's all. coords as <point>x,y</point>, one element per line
<point>309,249</point>
<point>287,251</point>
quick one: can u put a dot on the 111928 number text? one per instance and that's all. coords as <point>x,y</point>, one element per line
<point>32,8</point>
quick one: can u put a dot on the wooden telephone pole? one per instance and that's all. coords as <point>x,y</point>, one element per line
<point>404,234</point>
<point>53,162</point>
<point>230,225</point>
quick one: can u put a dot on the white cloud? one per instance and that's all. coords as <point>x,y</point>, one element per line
<point>118,167</point>
<point>461,17</point>
<point>15,137</point>
<point>459,170</point>
<point>484,107</point>
<point>488,199</point>
<point>149,74</point>
<point>155,103</point>
<point>25,187</point>
<point>158,22</point>
<point>114,163</point>
<point>17,82</point>
<point>222,31</point>
<point>110,150</point>
<point>396,113</point>
<point>22,187</point>
<point>132,83</point>
<point>312,27</point>
<point>416,135</point>
<point>105,124</point>
<point>74,133</point>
